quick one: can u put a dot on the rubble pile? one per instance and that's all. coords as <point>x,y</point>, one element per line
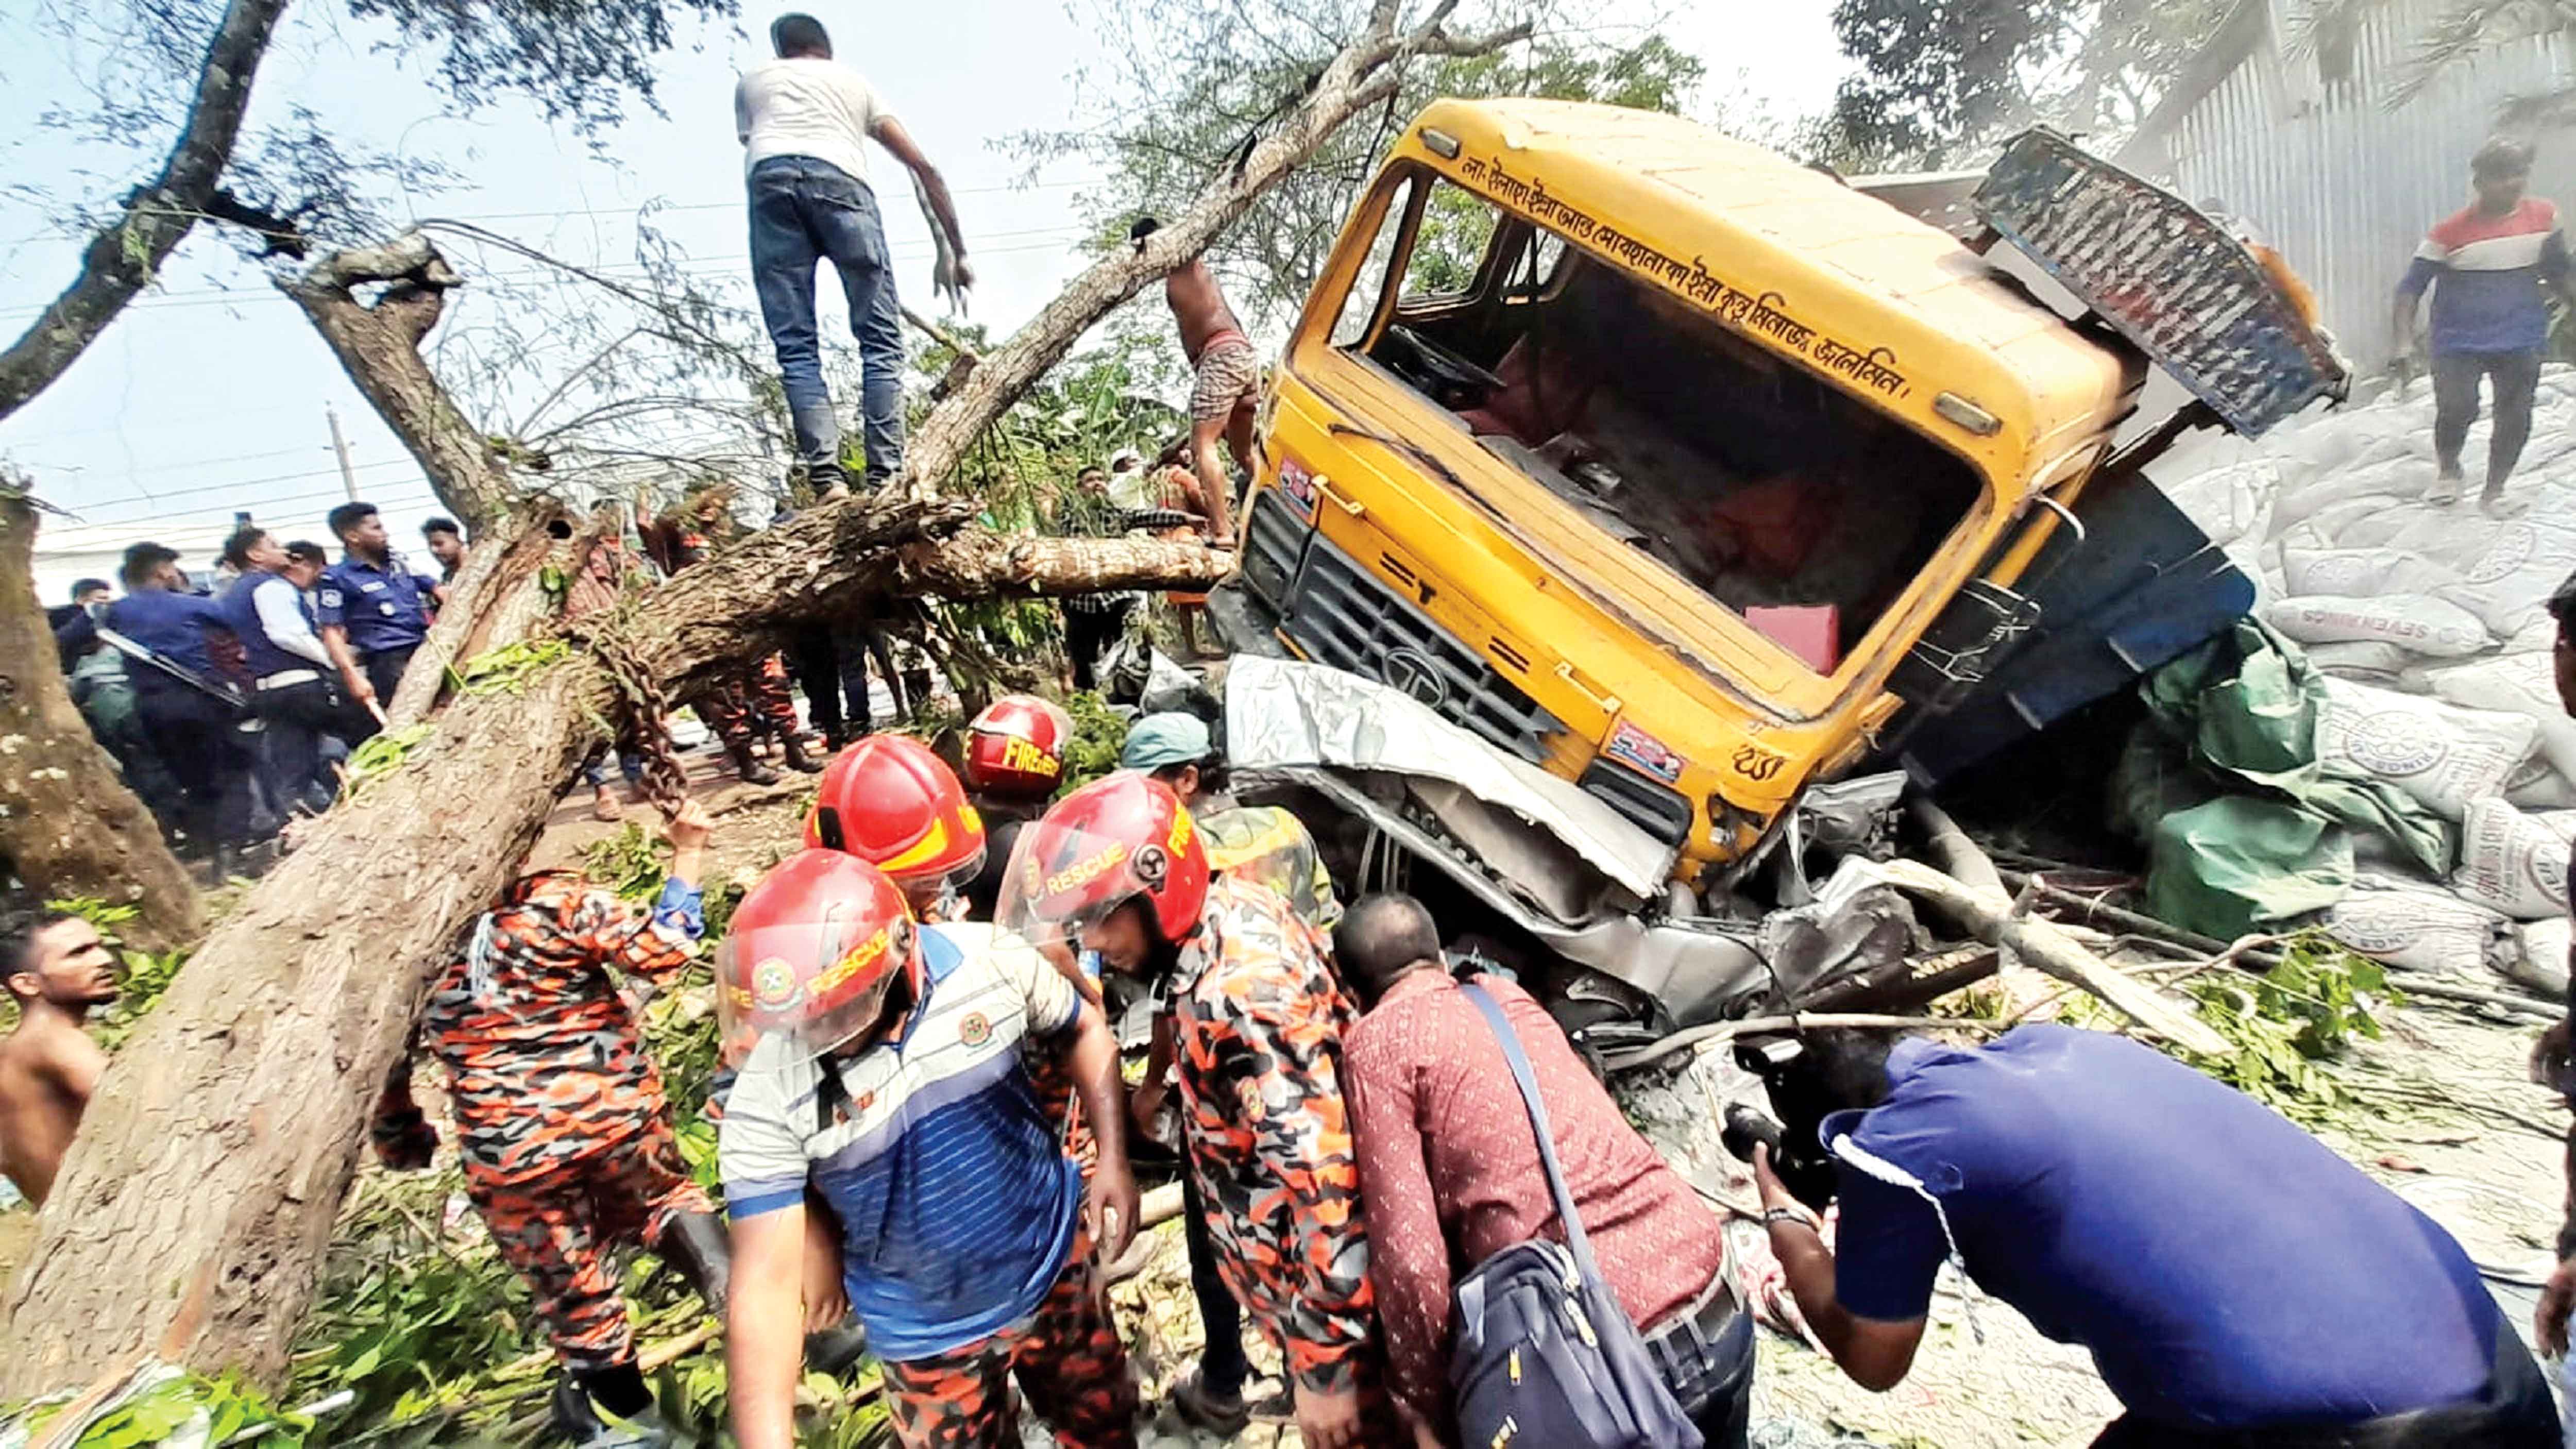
<point>2418,637</point>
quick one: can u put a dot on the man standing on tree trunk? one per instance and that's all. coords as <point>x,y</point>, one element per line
<point>805,122</point>
<point>1228,385</point>
<point>57,969</point>
<point>372,607</point>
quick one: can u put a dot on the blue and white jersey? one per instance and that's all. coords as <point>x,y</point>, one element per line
<point>957,1203</point>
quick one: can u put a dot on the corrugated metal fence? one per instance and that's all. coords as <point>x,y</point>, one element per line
<point>2341,183</point>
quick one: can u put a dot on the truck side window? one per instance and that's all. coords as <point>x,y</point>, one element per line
<point>1457,230</point>
<point>1359,305</point>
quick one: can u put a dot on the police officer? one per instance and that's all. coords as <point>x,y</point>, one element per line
<point>293,690</point>
<point>197,733</point>
<point>373,609</point>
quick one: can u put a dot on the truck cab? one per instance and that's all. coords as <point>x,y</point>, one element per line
<point>1660,461</point>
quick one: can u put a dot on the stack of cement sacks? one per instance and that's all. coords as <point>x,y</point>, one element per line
<point>2430,623</point>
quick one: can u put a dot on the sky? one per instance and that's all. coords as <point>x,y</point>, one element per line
<point>211,393</point>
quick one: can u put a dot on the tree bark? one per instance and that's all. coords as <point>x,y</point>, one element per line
<point>191,1214</point>
<point>1356,79</point>
<point>123,257</point>
<point>68,825</point>
<point>379,346</point>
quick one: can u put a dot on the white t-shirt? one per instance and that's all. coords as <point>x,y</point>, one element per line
<point>807,106</point>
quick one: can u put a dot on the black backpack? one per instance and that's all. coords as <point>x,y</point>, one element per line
<point>1545,1355</point>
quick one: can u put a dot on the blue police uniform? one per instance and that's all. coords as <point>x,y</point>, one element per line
<point>296,697</point>
<point>385,611</point>
<point>198,735</point>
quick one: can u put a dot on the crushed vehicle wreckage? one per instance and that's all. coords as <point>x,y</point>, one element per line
<point>1618,599</point>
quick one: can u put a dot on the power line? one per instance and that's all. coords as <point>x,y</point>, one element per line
<point>227,296</point>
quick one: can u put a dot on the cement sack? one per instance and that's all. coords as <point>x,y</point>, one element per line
<point>2369,661</point>
<point>2539,959</point>
<point>2371,522</point>
<point>2230,502</point>
<point>2512,862</point>
<point>2538,635</point>
<point>2405,923</point>
<point>2523,684</point>
<point>2390,480</point>
<point>2417,622</point>
<point>2440,755</point>
<point>2523,563</point>
<point>2539,786</point>
<point>2365,572</point>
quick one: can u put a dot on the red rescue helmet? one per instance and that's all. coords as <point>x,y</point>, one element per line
<point>810,954</point>
<point>1015,748</point>
<point>892,803</point>
<point>1118,838</point>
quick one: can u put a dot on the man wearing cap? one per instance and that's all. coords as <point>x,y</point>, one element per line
<point>883,1068</point>
<point>1261,842</point>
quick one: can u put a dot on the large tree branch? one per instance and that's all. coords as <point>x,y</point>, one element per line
<point>379,344</point>
<point>124,256</point>
<point>191,1214</point>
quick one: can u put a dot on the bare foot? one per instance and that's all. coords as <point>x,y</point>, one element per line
<point>604,806</point>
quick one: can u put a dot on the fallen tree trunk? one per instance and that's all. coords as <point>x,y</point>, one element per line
<point>68,825</point>
<point>191,1213</point>
<point>191,1216</point>
<point>1991,916</point>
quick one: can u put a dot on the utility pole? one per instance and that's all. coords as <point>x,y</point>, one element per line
<point>340,445</point>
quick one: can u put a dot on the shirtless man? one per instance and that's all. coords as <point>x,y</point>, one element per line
<point>57,969</point>
<point>1228,389</point>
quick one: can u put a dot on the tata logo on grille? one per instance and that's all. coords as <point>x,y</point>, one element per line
<point>1413,673</point>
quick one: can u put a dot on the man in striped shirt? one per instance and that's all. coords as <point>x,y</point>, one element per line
<point>2486,265</point>
<point>883,1069</point>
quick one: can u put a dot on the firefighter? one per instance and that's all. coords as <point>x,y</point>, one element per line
<point>1117,867</point>
<point>1014,763</point>
<point>892,803</point>
<point>880,1068</point>
<point>561,1122</point>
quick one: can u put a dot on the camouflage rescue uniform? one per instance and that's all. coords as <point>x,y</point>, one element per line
<point>1257,1020</point>
<point>1067,1357</point>
<point>754,700</point>
<point>560,1118</point>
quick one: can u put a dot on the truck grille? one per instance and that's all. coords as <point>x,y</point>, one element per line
<point>1661,812</point>
<point>1341,615</point>
<point>1271,544</point>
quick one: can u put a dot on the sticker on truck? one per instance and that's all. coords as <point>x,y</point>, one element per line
<point>1636,747</point>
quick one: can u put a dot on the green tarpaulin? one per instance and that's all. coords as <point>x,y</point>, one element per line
<point>2247,827</point>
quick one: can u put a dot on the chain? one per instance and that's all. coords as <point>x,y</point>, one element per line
<point>647,711</point>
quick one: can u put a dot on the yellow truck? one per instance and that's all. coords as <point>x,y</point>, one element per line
<point>1675,468</point>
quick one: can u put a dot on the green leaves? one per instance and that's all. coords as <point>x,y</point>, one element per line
<point>2286,1028</point>
<point>1098,736</point>
<point>508,669</point>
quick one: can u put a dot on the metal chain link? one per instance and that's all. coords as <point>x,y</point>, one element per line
<point>647,711</point>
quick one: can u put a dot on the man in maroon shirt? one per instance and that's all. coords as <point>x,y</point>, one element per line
<point>1446,1156</point>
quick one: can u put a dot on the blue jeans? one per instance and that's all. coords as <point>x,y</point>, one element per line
<point>804,211</point>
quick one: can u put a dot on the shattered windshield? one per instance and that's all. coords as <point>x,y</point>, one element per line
<point>1783,498</point>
